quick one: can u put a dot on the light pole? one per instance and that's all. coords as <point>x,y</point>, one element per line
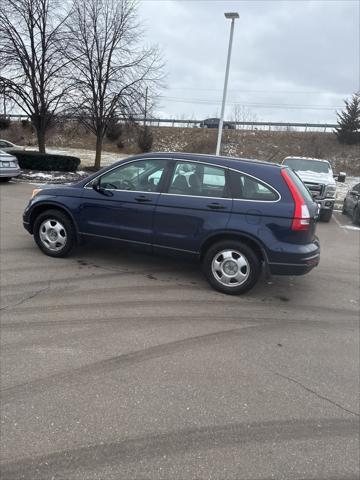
<point>146,102</point>
<point>232,16</point>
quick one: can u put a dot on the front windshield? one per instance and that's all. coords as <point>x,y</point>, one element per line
<point>299,164</point>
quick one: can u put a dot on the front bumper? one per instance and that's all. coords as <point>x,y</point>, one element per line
<point>326,203</point>
<point>9,172</point>
<point>26,217</point>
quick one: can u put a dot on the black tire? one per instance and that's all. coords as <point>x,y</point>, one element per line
<point>343,210</point>
<point>252,269</point>
<point>5,179</point>
<point>356,216</point>
<point>325,215</point>
<point>66,235</point>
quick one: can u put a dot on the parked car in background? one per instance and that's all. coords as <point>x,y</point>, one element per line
<point>351,205</point>
<point>9,166</point>
<point>7,146</point>
<point>214,123</point>
<point>235,216</point>
<point>318,176</point>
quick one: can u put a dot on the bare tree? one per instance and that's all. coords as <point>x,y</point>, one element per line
<point>109,68</point>
<point>31,66</point>
<point>243,114</point>
<point>7,104</point>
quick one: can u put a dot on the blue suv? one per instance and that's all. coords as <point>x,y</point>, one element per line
<point>234,215</point>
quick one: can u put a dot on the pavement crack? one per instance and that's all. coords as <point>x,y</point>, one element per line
<point>310,390</point>
<point>28,297</point>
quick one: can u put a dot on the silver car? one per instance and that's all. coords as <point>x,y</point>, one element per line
<point>7,146</point>
<point>9,166</point>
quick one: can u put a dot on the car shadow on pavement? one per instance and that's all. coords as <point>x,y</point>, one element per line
<point>111,256</point>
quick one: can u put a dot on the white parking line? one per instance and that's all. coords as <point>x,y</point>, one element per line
<point>339,224</point>
<point>352,227</point>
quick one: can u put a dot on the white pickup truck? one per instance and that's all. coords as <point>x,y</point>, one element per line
<point>319,178</point>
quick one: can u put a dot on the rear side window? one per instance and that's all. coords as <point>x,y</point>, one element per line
<point>248,188</point>
<point>197,179</point>
<point>300,185</point>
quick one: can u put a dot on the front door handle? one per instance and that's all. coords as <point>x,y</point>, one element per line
<point>216,206</point>
<point>142,198</point>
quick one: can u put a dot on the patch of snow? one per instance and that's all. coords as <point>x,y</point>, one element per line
<point>351,227</point>
<point>308,158</point>
<point>41,175</point>
<point>87,157</point>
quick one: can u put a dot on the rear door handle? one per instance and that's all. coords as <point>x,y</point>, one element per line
<point>142,198</point>
<point>216,206</point>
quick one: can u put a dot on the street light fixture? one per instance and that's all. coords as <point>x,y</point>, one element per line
<point>232,16</point>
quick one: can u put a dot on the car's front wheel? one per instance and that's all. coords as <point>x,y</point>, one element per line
<point>231,267</point>
<point>325,215</point>
<point>54,233</point>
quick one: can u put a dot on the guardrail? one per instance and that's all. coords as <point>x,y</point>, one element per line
<point>241,125</point>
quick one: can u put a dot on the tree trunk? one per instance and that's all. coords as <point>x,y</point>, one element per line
<point>99,142</point>
<point>41,139</point>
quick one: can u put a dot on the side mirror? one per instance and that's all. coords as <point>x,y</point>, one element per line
<point>98,188</point>
<point>341,177</point>
<point>96,185</point>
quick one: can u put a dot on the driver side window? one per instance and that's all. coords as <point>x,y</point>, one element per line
<point>141,176</point>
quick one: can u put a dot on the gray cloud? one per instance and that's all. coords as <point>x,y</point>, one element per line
<point>294,54</point>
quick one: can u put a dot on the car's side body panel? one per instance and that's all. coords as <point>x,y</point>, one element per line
<point>119,216</point>
<point>184,221</point>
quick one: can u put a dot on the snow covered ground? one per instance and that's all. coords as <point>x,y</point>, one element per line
<point>87,157</point>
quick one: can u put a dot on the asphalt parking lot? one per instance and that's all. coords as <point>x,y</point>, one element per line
<point>118,365</point>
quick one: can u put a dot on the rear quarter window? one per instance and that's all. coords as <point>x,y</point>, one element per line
<point>244,187</point>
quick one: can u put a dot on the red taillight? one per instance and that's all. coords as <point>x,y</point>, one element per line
<point>301,218</point>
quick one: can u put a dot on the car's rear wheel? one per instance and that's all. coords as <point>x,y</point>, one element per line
<point>325,215</point>
<point>54,233</point>
<point>231,267</point>
<point>356,216</point>
<point>5,179</point>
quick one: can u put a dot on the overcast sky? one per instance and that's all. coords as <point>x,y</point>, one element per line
<point>292,60</point>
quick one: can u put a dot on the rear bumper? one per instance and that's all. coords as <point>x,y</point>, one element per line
<point>299,263</point>
<point>9,172</point>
